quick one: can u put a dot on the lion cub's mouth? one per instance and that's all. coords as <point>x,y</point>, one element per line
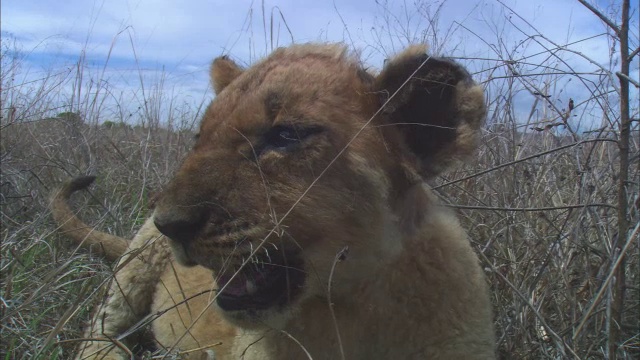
<point>261,285</point>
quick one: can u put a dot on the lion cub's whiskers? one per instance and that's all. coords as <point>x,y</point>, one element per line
<point>267,253</point>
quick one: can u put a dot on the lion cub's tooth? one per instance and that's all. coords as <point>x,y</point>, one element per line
<point>251,287</point>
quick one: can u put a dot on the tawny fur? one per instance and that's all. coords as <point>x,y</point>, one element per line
<point>145,289</point>
<point>389,273</point>
<point>112,246</point>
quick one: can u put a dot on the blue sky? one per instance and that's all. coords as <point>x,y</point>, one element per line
<point>142,37</point>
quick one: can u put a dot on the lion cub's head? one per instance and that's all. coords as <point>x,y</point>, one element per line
<point>304,155</point>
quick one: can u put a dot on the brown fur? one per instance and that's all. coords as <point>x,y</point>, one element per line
<point>388,274</point>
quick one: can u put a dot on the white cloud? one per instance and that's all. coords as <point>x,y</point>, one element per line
<point>182,37</point>
<point>168,31</point>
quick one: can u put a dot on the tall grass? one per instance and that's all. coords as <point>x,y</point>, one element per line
<point>539,201</point>
<point>50,134</point>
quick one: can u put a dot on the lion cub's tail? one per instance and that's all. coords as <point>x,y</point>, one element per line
<point>111,246</point>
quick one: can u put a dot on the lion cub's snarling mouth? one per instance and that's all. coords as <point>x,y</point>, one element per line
<point>269,280</point>
<point>261,284</point>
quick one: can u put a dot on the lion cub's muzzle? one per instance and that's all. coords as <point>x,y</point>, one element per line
<point>267,279</point>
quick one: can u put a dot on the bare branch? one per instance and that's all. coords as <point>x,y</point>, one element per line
<point>548,208</point>
<point>634,53</point>
<point>521,160</point>
<point>601,16</point>
<point>625,77</point>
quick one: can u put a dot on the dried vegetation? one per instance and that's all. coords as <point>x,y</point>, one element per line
<point>540,201</point>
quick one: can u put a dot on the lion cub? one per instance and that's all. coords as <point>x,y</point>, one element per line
<point>300,224</point>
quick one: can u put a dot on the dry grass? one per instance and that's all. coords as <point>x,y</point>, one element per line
<point>539,205</point>
<point>547,258</point>
<point>44,277</point>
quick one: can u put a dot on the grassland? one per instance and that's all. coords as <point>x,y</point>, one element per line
<point>540,203</point>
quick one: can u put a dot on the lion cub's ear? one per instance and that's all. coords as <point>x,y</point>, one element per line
<point>437,109</point>
<point>223,72</point>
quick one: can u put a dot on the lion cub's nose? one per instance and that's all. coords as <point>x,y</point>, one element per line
<point>179,226</point>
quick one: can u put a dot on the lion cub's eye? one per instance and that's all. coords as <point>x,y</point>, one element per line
<point>284,138</point>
